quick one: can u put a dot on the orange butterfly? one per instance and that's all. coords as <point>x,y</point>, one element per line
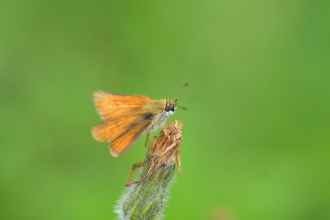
<point>126,117</point>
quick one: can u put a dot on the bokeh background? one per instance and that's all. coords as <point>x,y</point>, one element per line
<point>256,133</point>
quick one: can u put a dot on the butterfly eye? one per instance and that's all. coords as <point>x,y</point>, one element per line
<point>170,108</point>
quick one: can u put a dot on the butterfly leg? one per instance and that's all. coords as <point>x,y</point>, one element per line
<point>148,138</point>
<point>136,165</point>
<point>168,121</point>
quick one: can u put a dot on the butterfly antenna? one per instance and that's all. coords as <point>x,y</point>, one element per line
<point>179,90</point>
<point>183,108</point>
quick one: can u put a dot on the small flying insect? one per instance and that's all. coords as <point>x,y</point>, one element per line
<point>126,117</point>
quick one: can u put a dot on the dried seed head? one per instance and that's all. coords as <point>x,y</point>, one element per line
<point>146,198</point>
<point>166,146</point>
<point>163,151</point>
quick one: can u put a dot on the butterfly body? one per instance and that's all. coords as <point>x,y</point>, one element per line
<point>126,117</point>
<point>161,115</point>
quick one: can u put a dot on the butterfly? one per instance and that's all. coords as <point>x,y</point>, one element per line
<point>126,117</point>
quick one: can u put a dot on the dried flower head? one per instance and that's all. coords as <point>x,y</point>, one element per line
<point>145,198</point>
<point>166,146</point>
<point>163,151</point>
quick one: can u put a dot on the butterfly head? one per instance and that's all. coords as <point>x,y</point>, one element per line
<point>170,106</point>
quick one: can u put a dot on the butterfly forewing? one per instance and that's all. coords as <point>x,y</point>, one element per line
<point>113,105</point>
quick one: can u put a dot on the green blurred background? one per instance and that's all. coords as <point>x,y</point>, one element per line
<point>256,133</point>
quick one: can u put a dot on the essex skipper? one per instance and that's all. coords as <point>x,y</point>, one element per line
<point>126,117</point>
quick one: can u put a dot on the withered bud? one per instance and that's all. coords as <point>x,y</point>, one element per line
<point>163,151</point>
<point>145,198</point>
<point>166,146</point>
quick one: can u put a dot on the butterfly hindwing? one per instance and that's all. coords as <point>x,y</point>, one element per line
<point>122,131</point>
<point>126,139</point>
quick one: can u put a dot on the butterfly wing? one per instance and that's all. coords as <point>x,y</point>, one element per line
<point>122,132</point>
<point>125,140</point>
<point>113,105</point>
<point>125,117</point>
